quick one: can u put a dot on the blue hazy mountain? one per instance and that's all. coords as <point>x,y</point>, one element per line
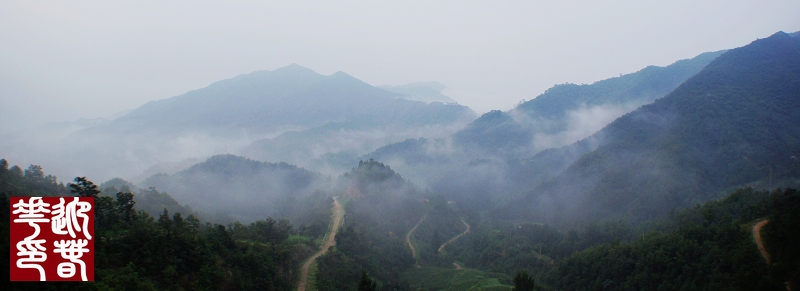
<point>421,91</point>
<point>735,123</point>
<point>517,149</point>
<point>287,98</point>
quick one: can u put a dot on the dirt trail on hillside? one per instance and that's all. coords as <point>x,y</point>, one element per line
<point>458,267</point>
<point>336,220</point>
<point>759,242</point>
<point>455,238</point>
<point>762,249</point>
<point>408,237</point>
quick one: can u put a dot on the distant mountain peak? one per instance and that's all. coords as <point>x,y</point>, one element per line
<point>341,74</point>
<point>295,68</point>
<point>421,91</point>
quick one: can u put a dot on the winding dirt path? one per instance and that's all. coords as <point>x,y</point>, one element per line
<point>763,250</point>
<point>408,237</point>
<point>338,214</point>
<point>457,237</point>
<point>458,267</point>
<point>759,242</point>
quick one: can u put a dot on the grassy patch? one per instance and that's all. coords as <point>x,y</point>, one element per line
<point>433,278</point>
<point>312,277</point>
<point>299,239</point>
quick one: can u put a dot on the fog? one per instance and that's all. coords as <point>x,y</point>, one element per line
<point>419,184</point>
<point>581,124</point>
<point>65,61</point>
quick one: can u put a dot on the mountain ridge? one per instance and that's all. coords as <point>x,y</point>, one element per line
<point>715,131</point>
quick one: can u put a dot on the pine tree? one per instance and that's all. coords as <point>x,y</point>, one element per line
<point>523,282</point>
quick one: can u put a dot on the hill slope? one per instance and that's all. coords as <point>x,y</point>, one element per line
<point>733,123</point>
<point>504,153</point>
<point>230,184</point>
<point>566,113</point>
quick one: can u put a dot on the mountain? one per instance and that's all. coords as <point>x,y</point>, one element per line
<point>297,116</point>
<point>732,124</point>
<point>233,185</point>
<point>260,101</point>
<point>338,143</point>
<point>566,113</point>
<point>501,153</point>
<point>427,92</point>
<point>269,101</point>
<point>246,115</point>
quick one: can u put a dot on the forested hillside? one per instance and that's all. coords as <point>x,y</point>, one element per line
<point>710,248</point>
<point>568,112</point>
<point>228,185</point>
<point>170,251</point>
<point>511,152</point>
<point>732,124</point>
<point>381,207</point>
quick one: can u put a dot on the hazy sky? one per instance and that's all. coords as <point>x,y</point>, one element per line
<point>63,60</point>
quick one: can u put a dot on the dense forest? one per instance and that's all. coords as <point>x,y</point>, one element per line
<point>726,127</point>
<point>175,251</point>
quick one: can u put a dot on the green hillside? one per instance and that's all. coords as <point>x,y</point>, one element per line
<point>732,124</point>
<point>515,133</point>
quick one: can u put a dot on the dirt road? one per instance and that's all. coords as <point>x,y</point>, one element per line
<point>757,236</point>
<point>408,237</point>
<point>455,238</point>
<point>458,267</point>
<point>336,221</point>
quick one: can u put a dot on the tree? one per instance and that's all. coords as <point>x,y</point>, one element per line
<point>366,283</point>
<point>523,282</point>
<point>84,188</point>
<point>34,172</point>
<point>124,205</point>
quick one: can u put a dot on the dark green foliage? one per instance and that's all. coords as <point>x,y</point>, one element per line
<point>523,282</point>
<point>373,177</point>
<point>366,283</point>
<point>336,272</point>
<point>134,251</point>
<point>442,224</point>
<point>782,238</point>
<point>382,209</point>
<point>84,188</point>
<point>30,182</point>
<point>436,240</point>
<point>499,246</point>
<point>710,248</point>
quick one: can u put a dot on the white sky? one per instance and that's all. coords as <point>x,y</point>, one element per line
<point>64,60</point>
